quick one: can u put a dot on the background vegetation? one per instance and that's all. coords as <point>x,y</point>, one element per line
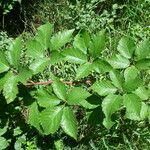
<point>118,18</point>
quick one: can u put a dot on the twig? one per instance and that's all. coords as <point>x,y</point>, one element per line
<point>30,83</point>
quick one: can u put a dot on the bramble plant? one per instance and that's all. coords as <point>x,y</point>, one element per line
<point>123,92</point>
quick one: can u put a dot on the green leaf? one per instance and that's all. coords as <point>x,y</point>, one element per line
<point>34,116</point>
<point>86,36</point>
<point>10,89</point>
<point>144,111</point>
<point>94,99</point>
<point>126,47</point>
<point>100,65</point>
<point>4,79</point>
<point>17,131</point>
<point>76,95</point>
<point>3,58</point>
<point>131,73</point>
<point>3,143</point>
<point>91,102</point>
<point>143,49</point>
<point>24,75</point>
<point>3,130</point>
<point>97,44</point>
<point>74,55</point>
<point>110,105</point>
<point>87,105</point>
<point>14,52</point>
<point>59,145</point>
<point>44,99</point>
<point>116,78</point>
<point>108,123</point>
<point>50,119</point>
<point>133,106</point>
<point>18,145</point>
<point>149,113</point>
<point>36,47</point>
<point>133,85</point>
<point>132,80</point>
<point>56,57</point>
<point>103,88</point>
<point>142,92</point>
<point>84,70</point>
<point>4,66</point>
<point>39,65</point>
<point>43,35</point>
<point>60,39</point>
<point>143,64</point>
<point>59,89</point>
<point>118,61</point>
<point>95,116</point>
<point>81,41</point>
<point>69,122</point>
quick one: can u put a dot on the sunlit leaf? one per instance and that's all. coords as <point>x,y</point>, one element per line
<point>60,39</point>
<point>126,47</point>
<point>103,88</point>
<point>69,123</point>
<point>50,119</point>
<point>133,106</point>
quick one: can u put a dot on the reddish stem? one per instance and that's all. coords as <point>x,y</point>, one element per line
<point>30,83</point>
